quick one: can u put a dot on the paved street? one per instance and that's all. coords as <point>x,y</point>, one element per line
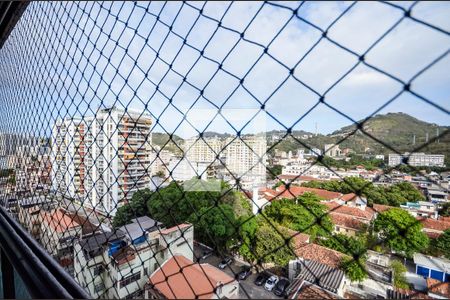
<point>247,288</point>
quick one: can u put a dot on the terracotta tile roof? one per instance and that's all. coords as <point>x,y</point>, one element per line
<point>180,278</point>
<point>346,221</point>
<point>295,191</point>
<point>349,197</point>
<point>320,254</point>
<point>366,214</point>
<point>433,225</point>
<point>59,220</point>
<point>379,208</point>
<point>437,287</point>
<point>445,219</point>
<point>313,292</point>
<point>299,238</point>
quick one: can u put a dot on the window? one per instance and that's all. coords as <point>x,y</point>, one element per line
<point>129,279</point>
<point>99,287</point>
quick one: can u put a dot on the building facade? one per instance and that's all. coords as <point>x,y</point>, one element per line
<point>417,159</point>
<point>101,161</point>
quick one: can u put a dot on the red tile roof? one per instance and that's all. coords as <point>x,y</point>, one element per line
<point>379,208</point>
<point>59,220</point>
<point>321,254</point>
<point>366,214</point>
<point>298,238</point>
<point>313,292</point>
<point>349,197</point>
<point>295,191</point>
<point>346,221</point>
<point>437,287</point>
<point>180,278</point>
<point>437,226</point>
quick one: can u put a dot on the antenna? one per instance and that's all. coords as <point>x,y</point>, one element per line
<point>316,129</point>
<point>437,135</point>
<point>414,139</point>
<point>426,138</point>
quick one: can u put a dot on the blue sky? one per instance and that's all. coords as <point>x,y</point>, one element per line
<point>82,57</point>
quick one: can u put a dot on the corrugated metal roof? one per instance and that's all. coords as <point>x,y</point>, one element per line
<point>322,275</point>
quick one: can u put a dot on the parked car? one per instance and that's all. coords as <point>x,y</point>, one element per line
<point>207,254</point>
<point>261,278</point>
<point>225,262</point>
<point>281,287</point>
<point>244,273</point>
<point>271,282</point>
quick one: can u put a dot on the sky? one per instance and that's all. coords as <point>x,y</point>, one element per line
<point>182,62</point>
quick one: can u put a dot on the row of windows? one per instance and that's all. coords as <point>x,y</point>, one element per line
<point>129,279</point>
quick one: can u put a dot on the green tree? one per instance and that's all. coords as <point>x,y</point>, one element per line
<point>355,248</point>
<point>214,226</point>
<point>399,270</point>
<point>354,269</point>
<point>271,246</point>
<point>274,171</point>
<point>304,214</point>
<point>400,231</point>
<point>443,243</point>
<point>137,207</point>
<point>247,232</point>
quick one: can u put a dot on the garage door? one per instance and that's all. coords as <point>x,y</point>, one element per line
<point>423,271</point>
<point>437,275</point>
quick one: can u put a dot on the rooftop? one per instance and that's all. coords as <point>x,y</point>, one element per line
<point>437,287</point>
<point>139,227</point>
<point>346,221</point>
<point>59,220</point>
<point>320,254</point>
<point>310,291</point>
<point>366,214</point>
<point>433,224</point>
<point>322,275</point>
<point>432,262</point>
<point>180,278</point>
<point>295,191</point>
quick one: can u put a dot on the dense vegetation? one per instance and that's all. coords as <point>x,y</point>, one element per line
<point>400,231</point>
<point>393,195</point>
<point>355,248</point>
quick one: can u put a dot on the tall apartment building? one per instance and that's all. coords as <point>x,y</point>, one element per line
<point>102,160</point>
<point>417,159</point>
<point>204,150</point>
<point>68,168</point>
<point>246,159</point>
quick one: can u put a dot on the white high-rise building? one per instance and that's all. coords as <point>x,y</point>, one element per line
<point>246,159</point>
<point>204,150</point>
<point>101,161</point>
<point>417,160</point>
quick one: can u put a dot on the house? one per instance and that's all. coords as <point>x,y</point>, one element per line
<point>437,289</point>
<point>181,278</point>
<point>291,192</point>
<point>353,200</point>
<point>116,264</point>
<point>421,209</point>
<point>311,272</point>
<point>307,290</point>
<point>432,267</point>
<point>349,220</point>
<point>433,228</point>
<point>58,231</point>
<point>347,224</point>
<point>309,251</point>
